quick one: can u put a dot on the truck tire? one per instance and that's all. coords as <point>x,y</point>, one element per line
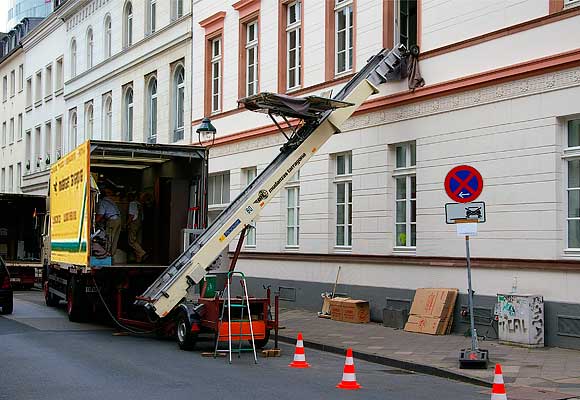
<point>185,338</point>
<point>50,299</point>
<point>8,307</point>
<point>75,302</point>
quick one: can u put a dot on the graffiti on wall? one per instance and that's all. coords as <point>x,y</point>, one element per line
<point>521,319</point>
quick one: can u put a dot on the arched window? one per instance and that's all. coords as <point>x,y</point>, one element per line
<point>178,102</point>
<point>72,135</point>
<point>73,58</point>
<point>107,118</point>
<point>108,30</point>
<point>128,115</point>
<point>89,118</point>
<point>151,15</point>
<point>176,9</point>
<point>90,47</point>
<point>128,25</point>
<point>152,111</point>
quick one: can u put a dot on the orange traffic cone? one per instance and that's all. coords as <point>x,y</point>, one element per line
<point>299,356</point>
<point>348,376</point>
<point>498,388</point>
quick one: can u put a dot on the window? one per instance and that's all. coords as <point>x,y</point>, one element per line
<point>152,110</point>
<point>20,127</point>
<point>128,25</point>
<point>3,134</point>
<point>218,189</point>
<point>58,138</point>
<point>12,83</point>
<point>47,143</point>
<point>151,11</point>
<point>89,120</point>
<point>90,46</point>
<point>38,87</point>
<point>293,44</point>
<point>178,102</point>
<point>3,186</point>
<point>59,74</point>
<point>10,179</point>
<point>406,22</point>
<point>29,92</point>
<point>344,38</point>
<point>37,153</point>
<point>107,116</point>
<point>11,131</point>
<point>20,77</point>
<point>128,115</point>
<point>73,58</point>
<point>251,58</point>
<point>573,187</point>
<point>293,211</point>
<point>18,177</point>
<point>216,74</point>
<point>108,31</point>
<point>343,186</point>
<point>176,9</point>
<point>28,149</point>
<point>248,175</point>
<point>48,81</point>
<point>72,135</point>
<point>405,195</point>
<point>4,88</point>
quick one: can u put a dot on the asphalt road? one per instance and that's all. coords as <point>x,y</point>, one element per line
<point>44,356</point>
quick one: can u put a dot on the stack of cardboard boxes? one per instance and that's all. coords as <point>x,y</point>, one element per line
<point>432,311</point>
<point>350,310</point>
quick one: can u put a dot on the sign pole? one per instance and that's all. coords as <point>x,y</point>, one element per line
<point>470,297</point>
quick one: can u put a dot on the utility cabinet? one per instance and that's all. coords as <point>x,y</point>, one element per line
<point>520,319</point>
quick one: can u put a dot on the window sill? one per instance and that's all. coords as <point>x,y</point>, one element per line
<point>572,253</point>
<point>250,246</point>
<point>20,90</point>
<point>58,92</point>
<point>28,108</point>
<point>338,75</point>
<point>343,249</point>
<point>291,248</point>
<point>48,98</point>
<point>37,103</point>
<point>404,171</point>
<point>405,250</point>
<point>294,89</point>
<point>12,95</point>
<point>572,4</point>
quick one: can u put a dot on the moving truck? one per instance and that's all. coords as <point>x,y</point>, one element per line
<point>21,218</point>
<point>169,179</point>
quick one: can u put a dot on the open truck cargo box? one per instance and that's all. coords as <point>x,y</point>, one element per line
<point>171,177</point>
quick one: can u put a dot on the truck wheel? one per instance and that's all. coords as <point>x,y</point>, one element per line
<point>261,343</point>
<point>50,299</point>
<point>75,306</point>
<point>8,307</point>
<point>185,338</point>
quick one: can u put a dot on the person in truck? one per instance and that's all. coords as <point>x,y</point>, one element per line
<point>134,221</point>
<point>109,214</point>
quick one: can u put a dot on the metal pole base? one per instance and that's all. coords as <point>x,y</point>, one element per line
<point>474,359</point>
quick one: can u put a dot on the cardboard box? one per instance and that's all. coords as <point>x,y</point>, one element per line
<point>419,324</point>
<point>350,310</point>
<point>431,302</point>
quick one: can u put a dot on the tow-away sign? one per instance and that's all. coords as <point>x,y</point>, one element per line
<point>463,184</point>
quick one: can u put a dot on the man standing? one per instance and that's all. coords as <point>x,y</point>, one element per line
<point>134,220</point>
<point>108,212</point>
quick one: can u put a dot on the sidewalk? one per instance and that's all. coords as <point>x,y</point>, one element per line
<point>551,369</point>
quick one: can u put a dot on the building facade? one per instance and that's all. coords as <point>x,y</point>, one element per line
<point>500,83</point>
<point>20,9</point>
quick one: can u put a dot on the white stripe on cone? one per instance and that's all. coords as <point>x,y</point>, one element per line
<point>349,377</point>
<point>349,361</point>
<point>498,396</point>
<point>299,343</point>
<point>299,357</point>
<point>498,379</point>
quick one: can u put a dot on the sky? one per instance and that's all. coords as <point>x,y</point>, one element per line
<point>3,14</point>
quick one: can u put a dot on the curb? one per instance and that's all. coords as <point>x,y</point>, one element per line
<point>393,362</point>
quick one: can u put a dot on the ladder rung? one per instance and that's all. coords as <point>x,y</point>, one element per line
<point>239,320</point>
<point>235,350</point>
<point>235,335</point>
<point>238,305</point>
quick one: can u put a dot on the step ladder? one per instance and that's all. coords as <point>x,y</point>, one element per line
<point>243,307</point>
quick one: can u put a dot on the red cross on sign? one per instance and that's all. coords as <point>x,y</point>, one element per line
<point>463,184</point>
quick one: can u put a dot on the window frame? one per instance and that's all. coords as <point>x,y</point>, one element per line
<point>73,129</point>
<point>178,87</point>
<point>150,26</point>
<point>397,24</point>
<point>107,115</point>
<point>295,27</point>
<point>216,62</point>
<point>89,120</point>
<point>152,109</point>
<point>108,36</point>
<point>569,154</point>
<point>343,178</point>
<point>408,172</point>
<point>20,78</point>
<point>12,83</point>
<point>90,41</point>
<point>293,186</point>
<point>252,46</point>
<point>128,113</point>
<point>223,192</point>
<point>73,57</point>
<point>340,6</point>
<point>175,9</point>
<point>128,24</point>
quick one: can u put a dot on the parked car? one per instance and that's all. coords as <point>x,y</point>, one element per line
<point>6,295</point>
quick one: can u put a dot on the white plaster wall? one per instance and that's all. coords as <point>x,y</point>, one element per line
<point>11,153</point>
<point>446,22</point>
